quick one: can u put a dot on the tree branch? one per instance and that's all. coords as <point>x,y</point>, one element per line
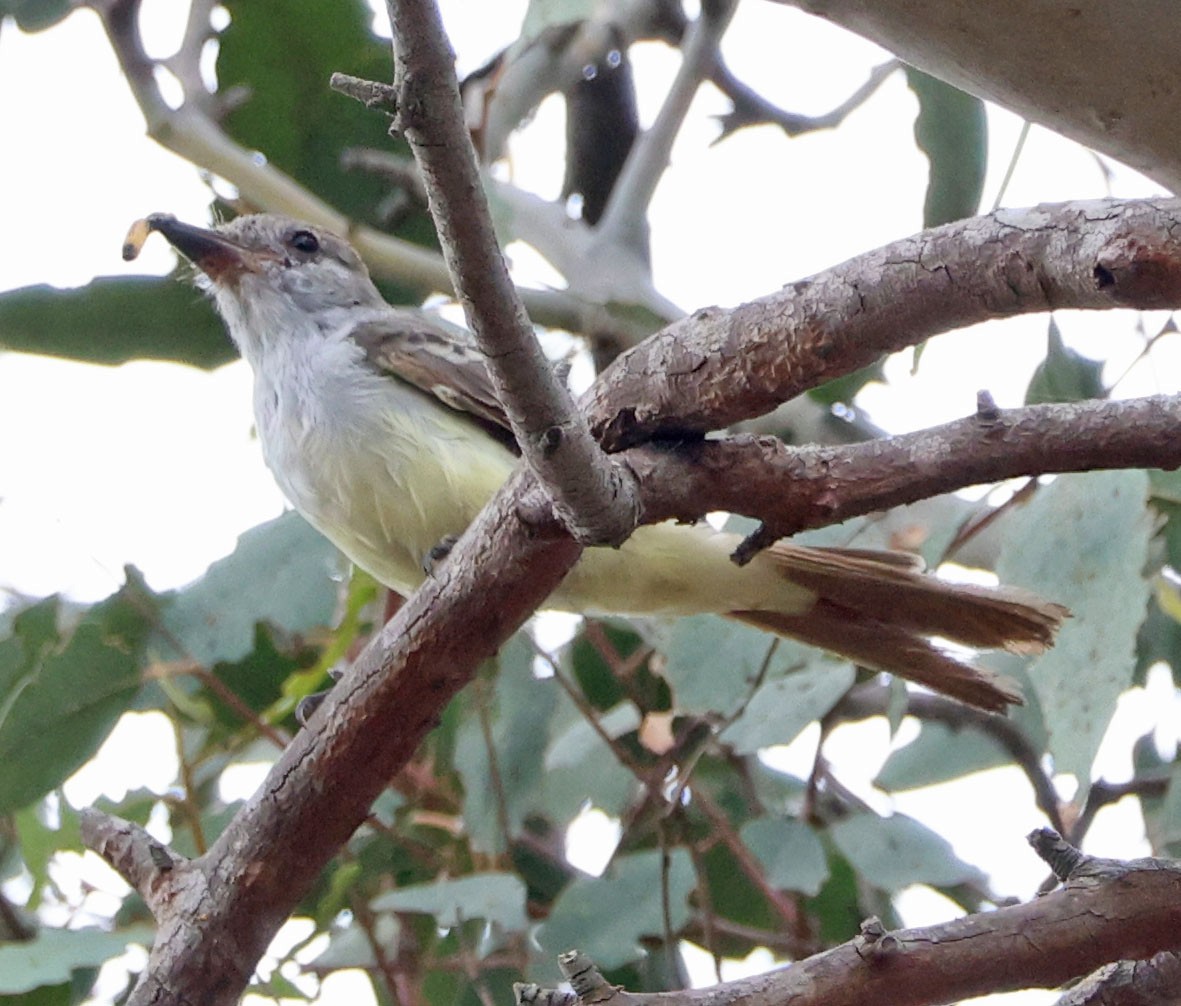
<point>718,367</point>
<point>1155,982</point>
<point>752,109</point>
<point>594,498</point>
<point>793,489</point>
<point>864,701</point>
<point>625,217</point>
<point>1099,83</point>
<point>212,931</point>
<point>1107,910</point>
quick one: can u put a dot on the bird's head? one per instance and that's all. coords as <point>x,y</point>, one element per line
<point>270,276</point>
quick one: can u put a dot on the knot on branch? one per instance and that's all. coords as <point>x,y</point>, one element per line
<point>1137,272</point>
<point>1062,857</point>
<point>874,941</point>
<point>371,93</point>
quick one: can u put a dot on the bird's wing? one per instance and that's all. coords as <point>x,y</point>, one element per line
<point>437,358</point>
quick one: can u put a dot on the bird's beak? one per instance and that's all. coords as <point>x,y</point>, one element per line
<point>219,257</point>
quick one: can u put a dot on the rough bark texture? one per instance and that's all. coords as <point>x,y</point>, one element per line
<point>1102,73</point>
<point>1134,911</point>
<point>718,367</point>
<point>794,489</point>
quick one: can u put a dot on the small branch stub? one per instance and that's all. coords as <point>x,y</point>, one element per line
<point>874,941</point>
<point>371,93</point>
<point>1062,857</point>
<point>130,851</point>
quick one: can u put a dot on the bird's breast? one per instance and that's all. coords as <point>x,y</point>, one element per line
<point>378,467</point>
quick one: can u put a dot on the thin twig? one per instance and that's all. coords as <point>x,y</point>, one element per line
<point>624,219</point>
<point>872,699</point>
<point>1018,147</point>
<point>752,109</point>
<point>750,867</point>
<point>594,498</point>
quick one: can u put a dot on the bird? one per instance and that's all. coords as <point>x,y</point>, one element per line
<point>382,428</point>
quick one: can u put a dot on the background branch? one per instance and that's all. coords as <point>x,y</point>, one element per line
<point>190,132</point>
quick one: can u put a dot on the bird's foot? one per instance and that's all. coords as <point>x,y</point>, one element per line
<point>310,703</point>
<point>440,551</point>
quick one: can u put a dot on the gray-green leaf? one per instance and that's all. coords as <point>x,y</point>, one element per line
<point>1083,541</point>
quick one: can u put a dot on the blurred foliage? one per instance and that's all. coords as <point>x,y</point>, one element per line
<point>952,130</point>
<point>114,319</point>
<point>461,877</point>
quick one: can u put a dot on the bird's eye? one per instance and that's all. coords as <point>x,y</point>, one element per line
<point>305,241</point>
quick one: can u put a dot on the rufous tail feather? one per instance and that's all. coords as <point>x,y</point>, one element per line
<point>879,609</point>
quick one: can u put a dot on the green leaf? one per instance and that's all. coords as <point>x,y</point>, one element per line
<point>1083,542</point>
<point>61,692</point>
<point>938,754</point>
<point>282,572</point>
<point>114,319</point>
<point>49,959</point>
<point>580,768</point>
<point>36,15</point>
<point>65,994</point>
<point>593,674</point>
<point>780,709</point>
<point>259,679</point>
<point>845,388</point>
<point>790,851</point>
<point>1165,486</point>
<point>351,947</point>
<point>292,116</point>
<point>838,905</point>
<point>39,842</point>
<point>894,852</point>
<point>1064,375</point>
<point>507,781</point>
<point>606,917</point>
<point>498,898</point>
<point>952,130</point>
<point>1169,817</point>
<point>713,661</point>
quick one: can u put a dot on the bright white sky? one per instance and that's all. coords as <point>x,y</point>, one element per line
<point>156,465</point>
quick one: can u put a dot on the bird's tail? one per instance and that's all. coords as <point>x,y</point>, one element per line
<point>880,610</point>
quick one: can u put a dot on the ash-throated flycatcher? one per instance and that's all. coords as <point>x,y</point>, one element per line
<point>382,429</point>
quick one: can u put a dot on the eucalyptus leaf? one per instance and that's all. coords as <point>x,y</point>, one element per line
<point>952,130</point>
<point>282,572</point>
<point>55,953</point>
<point>294,118</point>
<point>782,708</point>
<point>712,662</point>
<point>1083,541</point>
<point>36,15</point>
<point>939,753</point>
<point>894,852</point>
<point>790,852</point>
<point>498,898</point>
<point>513,713</point>
<point>62,690</point>
<point>606,917</point>
<point>1064,375</point>
<point>114,319</point>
